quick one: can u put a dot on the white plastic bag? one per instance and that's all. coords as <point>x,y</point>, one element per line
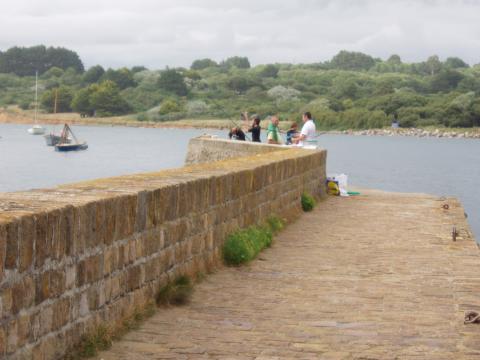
<point>342,180</point>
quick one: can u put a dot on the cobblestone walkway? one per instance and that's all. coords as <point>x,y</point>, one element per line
<point>369,277</point>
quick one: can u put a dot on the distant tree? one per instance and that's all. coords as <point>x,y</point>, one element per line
<point>239,84</point>
<point>81,102</point>
<point>93,74</point>
<point>470,83</point>
<point>237,61</point>
<point>53,72</point>
<point>269,71</point>
<point>394,59</point>
<point>344,87</point>
<point>192,75</point>
<point>122,77</point>
<point>282,93</point>
<point>137,69</point>
<point>201,64</point>
<point>25,61</point>
<point>169,106</point>
<point>196,107</point>
<point>63,96</point>
<point>348,60</point>
<point>446,80</point>
<point>107,101</point>
<point>433,64</point>
<point>455,63</point>
<point>172,81</point>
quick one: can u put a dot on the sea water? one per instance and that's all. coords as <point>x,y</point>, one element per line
<point>443,167</point>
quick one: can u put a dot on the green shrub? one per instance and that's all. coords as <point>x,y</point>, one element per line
<point>177,292</point>
<point>308,202</point>
<point>244,245</point>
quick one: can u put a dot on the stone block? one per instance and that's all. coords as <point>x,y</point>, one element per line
<point>172,194</point>
<point>26,239</point>
<point>3,249</point>
<point>108,262</point>
<point>110,218</point>
<point>95,267</point>
<point>24,330</point>
<point>46,320</point>
<point>42,245</point>
<point>152,270</point>
<point>70,277</point>
<point>57,282</point>
<point>184,199</point>
<point>142,210</point>
<point>11,254</point>
<point>134,277</point>
<point>91,238</point>
<point>3,342</point>
<point>67,229</point>
<point>61,313</point>
<point>79,219</point>
<point>6,301</point>
<point>130,206</point>
<point>42,287</point>
<point>23,294</point>
<point>12,336</point>
<point>99,223</point>
<point>203,194</point>
<point>159,198</point>
<point>132,251</point>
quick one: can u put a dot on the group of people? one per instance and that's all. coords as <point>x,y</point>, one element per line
<point>293,137</point>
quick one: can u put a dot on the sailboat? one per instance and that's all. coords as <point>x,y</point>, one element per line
<point>36,129</point>
<point>53,139</point>
<point>66,144</point>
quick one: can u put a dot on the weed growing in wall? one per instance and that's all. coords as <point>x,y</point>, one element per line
<point>308,202</point>
<point>177,292</point>
<point>244,245</point>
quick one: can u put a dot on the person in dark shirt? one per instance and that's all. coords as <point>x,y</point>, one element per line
<point>236,134</point>
<point>255,129</point>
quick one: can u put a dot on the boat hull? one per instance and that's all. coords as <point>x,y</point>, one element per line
<point>71,147</point>
<point>36,130</point>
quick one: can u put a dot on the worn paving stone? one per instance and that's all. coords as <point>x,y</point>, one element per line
<point>369,277</point>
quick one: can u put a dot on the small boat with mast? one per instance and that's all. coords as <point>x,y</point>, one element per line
<point>69,142</point>
<point>36,129</point>
<point>53,139</point>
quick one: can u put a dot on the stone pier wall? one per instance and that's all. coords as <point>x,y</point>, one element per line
<point>78,255</point>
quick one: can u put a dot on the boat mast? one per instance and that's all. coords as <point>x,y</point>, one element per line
<point>36,96</point>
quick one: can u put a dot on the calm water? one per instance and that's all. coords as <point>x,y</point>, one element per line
<point>436,166</point>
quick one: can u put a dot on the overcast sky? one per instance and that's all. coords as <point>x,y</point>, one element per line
<point>156,33</point>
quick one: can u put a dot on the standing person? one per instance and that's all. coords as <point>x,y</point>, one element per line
<point>292,133</point>
<point>273,133</point>
<point>308,133</point>
<point>255,129</point>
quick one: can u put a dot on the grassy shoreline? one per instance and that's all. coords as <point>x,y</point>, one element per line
<point>18,116</point>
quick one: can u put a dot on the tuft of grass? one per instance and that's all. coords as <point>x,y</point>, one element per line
<point>308,202</point>
<point>244,245</point>
<point>99,340</point>
<point>275,224</point>
<point>177,292</point>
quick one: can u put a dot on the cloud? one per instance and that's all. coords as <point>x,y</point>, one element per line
<point>157,33</point>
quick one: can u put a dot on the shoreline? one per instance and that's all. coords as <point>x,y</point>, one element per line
<point>24,118</point>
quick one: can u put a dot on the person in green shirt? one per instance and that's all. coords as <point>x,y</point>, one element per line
<point>273,133</point>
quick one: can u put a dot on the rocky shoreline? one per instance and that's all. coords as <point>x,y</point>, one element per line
<point>435,133</point>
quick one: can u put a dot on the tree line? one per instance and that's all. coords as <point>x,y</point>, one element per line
<point>351,90</point>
